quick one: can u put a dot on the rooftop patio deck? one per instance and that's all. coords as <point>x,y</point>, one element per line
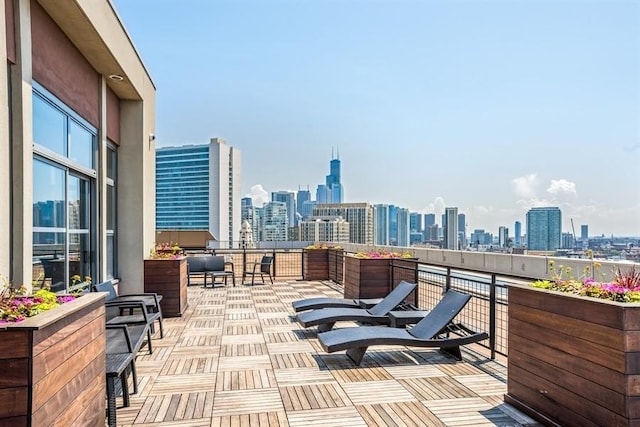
<point>238,358</point>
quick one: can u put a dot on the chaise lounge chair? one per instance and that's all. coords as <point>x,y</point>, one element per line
<point>325,318</point>
<point>325,302</point>
<point>432,331</point>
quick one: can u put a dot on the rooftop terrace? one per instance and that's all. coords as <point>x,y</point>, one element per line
<point>237,357</point>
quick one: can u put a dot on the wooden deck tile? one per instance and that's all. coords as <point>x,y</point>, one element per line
<point>360,374</point>
<point>332,417</point>
<point>435,388</point>
<point>299,376</point>
<point>293,360</point>
<point>251,349</point>
<point>482,385</point>
<point>245,380</point>
<point>258,419</point>
<point>290,347</point>
<point>244,362</point>
<point>370,392</point>
<point>313,396</point>
<point>247,401</point>
<point>414,371</point>
<point>411,413</point>
<point>171,384</point>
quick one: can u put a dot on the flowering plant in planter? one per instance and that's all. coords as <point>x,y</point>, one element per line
<point>166,251</point>
<point>382,255</point>
<point>625,286</point>
<point>16,305</point>
<point>323,246</point>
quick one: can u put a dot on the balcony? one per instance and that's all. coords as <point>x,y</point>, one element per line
<point>236,357</point>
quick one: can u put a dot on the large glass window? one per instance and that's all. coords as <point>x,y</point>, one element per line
<point>63,195</point>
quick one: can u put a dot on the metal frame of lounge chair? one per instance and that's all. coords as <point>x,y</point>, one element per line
<point>325,318</point>
<point>325,302</point>
<point>433,331</point>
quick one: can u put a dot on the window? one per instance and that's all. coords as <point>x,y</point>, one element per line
<point>64,147</point>
<point>111,267</point>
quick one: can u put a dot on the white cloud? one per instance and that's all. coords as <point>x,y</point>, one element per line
<point>435,207</point>
<point>562,187</point>
<point>259,195</point>
<point>525,186</point>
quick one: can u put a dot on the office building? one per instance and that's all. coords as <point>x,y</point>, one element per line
<point>415,222</point>
<point>503,236</point>
<point>402,227</point>
<point>323,194</point>
<point>324,229</point>
<point>381,224</point>
<point>567,241</point>
<point>431,233</point>
<point>479,237</point>
<point>198,188</point>
<point>289,199</point>
<point>333,183</point>
<point>450,228</point>
<point>462,230</point>
<point>302,204</point>
<point>544,229</point>
<point>248,213</point>
<point>76,146</point>
<point>275,222</point>
<point>358,215</point>
<point>393,225</point>
<point>429,219</point>
<point>584,232</point>
<point>518,233</point>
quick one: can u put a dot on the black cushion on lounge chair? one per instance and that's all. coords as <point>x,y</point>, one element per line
<point>432,331</point>
<point>325,318</point>
<point>324,302</point>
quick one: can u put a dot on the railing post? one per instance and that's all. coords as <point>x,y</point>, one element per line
<point>492,317</point>
<point>302,264</point>
<point>273,254</point>
<point>244,263</point>
<point>447,284</point>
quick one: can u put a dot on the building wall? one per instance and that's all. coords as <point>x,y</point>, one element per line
<point>70,47</point>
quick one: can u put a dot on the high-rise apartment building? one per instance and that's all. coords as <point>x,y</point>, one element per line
<point>450,228</point>
<point>381,224</point>
<point>358,215</point>
<point>275,222</point>
<point>517,227</point>
<point>324,229</point>
<point>393,225</point>
<point>544,229</point>
<point>289,199</point>
<point>567,241</point>
<point>198,188</point>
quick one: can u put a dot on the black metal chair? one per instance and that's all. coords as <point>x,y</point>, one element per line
<point>261,267</point>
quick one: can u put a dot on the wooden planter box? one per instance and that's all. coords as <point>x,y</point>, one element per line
<point>168,277</point>
<point>52,366</point>
<point>315,264</point>
<point>336,265</point>
<point>573,361</point>
<point>371,278</point>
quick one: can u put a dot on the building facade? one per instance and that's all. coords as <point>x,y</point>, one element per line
<point>358,215</point>
<point>198,188</point>
<point>450,228</point>
<point>544,229</point>
<point>518,233</point>
<point>289,199</point>
<point>72,74</point>
<point>381,224</point>
<point>324,229</point>
<point>275,222</point>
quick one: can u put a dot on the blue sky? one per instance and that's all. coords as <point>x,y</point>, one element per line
<point>490,106</point>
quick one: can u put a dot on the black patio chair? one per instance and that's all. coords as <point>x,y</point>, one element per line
<point>261,267</point>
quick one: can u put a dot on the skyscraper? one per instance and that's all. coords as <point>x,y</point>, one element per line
<point>584,232</point>
<point>289,199</point>
<point>275,222</point>
<point>450,228</point>
<point>518,233</point>
<point>503,236</point>
<point>462,230</point>
<point>198,188</point>
<point>381,224</point>
<point>333,183</point>
<point>402,227</point>
<point>415,222</point>
<point>302,197</point>
<point>544,229</point>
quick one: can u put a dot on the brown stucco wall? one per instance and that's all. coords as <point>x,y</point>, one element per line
<point>61,68</point>
<point>10,30</point>
<point>113,116</point>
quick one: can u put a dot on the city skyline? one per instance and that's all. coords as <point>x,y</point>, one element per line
<point>494,107</point>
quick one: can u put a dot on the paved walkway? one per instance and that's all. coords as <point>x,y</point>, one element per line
<point>237,358</point>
